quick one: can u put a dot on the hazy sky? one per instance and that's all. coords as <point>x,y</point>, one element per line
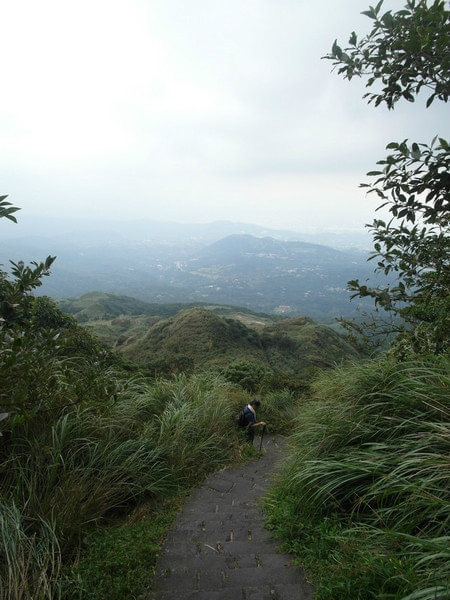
<point>192,111</point>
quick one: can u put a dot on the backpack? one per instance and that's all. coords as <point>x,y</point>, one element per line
<point>241,420</point>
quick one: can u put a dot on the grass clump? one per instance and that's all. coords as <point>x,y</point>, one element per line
<point>364,497</point>
<point>119,561</point>
<point>30,560</point>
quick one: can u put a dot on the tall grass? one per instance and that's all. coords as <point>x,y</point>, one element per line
<point>367,481</point>
<point>195,428</point>
<point>84,463</point>
<point>80,468</point>
<point>30,559</point>
<point>279,409</point>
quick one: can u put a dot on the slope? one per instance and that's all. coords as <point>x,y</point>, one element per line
<point>200,339</point>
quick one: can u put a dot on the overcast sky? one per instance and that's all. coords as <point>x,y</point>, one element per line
<point>191,111</point>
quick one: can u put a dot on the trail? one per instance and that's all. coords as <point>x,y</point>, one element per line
<point>218,548</point>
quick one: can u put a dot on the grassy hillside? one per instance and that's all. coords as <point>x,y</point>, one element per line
<point>115,331</point>
<point>116,319</point>
<point>169,338</point>
<point>106,306</point>
<point>199,334</point>
<point>299,342</point>
<point>201,339</point>
<point>103,306</point>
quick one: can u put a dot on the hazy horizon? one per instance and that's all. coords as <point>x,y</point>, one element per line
<point>54,227</point>
<point>192,113</point>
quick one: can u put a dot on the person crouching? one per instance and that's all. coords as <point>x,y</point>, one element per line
<point>250,417</point>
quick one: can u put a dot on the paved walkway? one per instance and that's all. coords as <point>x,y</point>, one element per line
<point>218,548</point>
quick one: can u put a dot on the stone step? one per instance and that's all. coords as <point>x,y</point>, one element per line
<point>189,549</point>
<point>224,519</point>
<point>180,563</point>
<point>219,533</point>
<point>262,592</point>
<point>250,593</point>
<point>209,579</point>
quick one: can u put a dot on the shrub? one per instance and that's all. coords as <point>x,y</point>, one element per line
<point>248,375</point>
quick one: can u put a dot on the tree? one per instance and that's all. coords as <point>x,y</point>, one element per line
<point>47,361</point>
<point>15,294</point>
<point>407,52</point>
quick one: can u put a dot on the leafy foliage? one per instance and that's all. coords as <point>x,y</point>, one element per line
<point>7,210</point>
<point>247,374</point>
<point>407,51</point>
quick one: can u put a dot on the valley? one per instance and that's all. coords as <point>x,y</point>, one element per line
<point>275,274</point>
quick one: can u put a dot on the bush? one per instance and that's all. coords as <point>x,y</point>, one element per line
<point>249,375</point>
<point>279,409</point>
<point>195,425</point>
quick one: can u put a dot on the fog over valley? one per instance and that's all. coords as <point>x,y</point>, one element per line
<point>268,270</point>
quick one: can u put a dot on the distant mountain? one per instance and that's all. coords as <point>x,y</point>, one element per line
<point>246,248</point>
<point>83,232</point>
<point>281,277</point>
<point>261,273</point>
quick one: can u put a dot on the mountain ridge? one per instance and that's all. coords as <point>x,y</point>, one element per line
<point>81,229</point>
<point>259,273</point>
<point>198,339</point>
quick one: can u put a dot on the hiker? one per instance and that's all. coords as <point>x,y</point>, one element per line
<point>250,418</point>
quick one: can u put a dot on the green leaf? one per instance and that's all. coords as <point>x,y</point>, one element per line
<point>336,50</point>
<point>387,19</point>
<point>378,6</point>
<point>430,100</point>
<point>7,209</point>
<point>408,96</point>
<point>369,13</point>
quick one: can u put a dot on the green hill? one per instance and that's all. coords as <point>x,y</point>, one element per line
<point>299,342</point>
<point>104,305</point>
<point>189,337</point>
<point>197,339</point>
<point>114,318</point>
<point>205,338</point>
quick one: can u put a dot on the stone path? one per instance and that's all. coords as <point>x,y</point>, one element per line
<point>218,548</point>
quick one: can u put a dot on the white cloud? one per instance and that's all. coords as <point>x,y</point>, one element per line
<point>192,110</point>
